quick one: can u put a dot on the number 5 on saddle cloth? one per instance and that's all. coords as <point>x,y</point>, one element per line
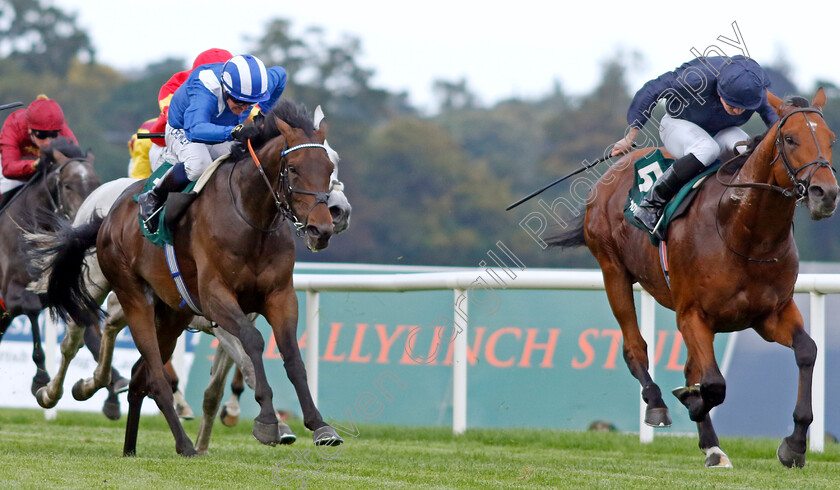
<point>647,170</point>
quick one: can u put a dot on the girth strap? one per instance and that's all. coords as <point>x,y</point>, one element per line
<point>175,272</point>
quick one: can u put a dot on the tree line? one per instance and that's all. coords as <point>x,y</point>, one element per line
<point>428,190</point>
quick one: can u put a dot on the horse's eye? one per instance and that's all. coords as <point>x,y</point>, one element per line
<point>789,140</point>
<point>293,169</point>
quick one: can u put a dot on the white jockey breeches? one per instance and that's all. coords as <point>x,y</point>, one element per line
<point>196,156</point>
<point>682,137</point>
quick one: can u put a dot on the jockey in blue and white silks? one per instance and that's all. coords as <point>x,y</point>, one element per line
<point>206,115</point>
<point>707,99</point>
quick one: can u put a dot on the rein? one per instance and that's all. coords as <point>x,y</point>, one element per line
<point>55,202</point>
<point>800,186</point>
<point>282,204</point>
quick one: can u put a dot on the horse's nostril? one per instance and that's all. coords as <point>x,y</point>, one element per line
<point>815,191</point>
<point>313,230</point>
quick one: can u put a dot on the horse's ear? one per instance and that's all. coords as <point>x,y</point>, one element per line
<point>819,99</point>
<point>282,126</point>
<point>322,130</point>
<point>89,156</point>
<point>59,158</point>
<point>775,102</point>
<point>318,117</point>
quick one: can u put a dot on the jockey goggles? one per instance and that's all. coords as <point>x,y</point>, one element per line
<point>43,134</point>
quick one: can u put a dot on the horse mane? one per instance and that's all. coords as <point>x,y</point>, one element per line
<point>294,114</point>
<point>65,147</point>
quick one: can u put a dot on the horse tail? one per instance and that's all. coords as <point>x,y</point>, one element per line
<point>59,259</point>
<point>570,235</point>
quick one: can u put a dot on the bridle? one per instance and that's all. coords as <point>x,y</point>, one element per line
<point>800,185</point>
<point>56,201</point>
<point>282,203</point>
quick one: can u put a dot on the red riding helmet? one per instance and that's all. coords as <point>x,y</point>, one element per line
<point>44,114</point>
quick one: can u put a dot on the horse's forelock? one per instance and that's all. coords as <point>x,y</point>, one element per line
<point>796,101</point>
<point>295,115</point>
<point>67,148</point>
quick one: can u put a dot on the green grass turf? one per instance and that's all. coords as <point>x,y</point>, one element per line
<point>81,450</point>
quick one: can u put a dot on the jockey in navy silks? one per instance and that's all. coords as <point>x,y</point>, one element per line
<point>206,115</point>
<point>707,99</point>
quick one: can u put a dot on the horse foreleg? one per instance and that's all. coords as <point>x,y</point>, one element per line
<point>49,395</point>
<point>223,308</point>
<point>282,316</point>
<point>619,288</point>
<point>41,377</point>
<point>111,407</point>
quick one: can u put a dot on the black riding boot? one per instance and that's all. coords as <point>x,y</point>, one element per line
<point>153,199</point>
<point>666,187</point>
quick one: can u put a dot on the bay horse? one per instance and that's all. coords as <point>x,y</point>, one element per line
<point>64,177</point>
<point>100,202</point>
<point>236,255</point>
<point>733,264</point>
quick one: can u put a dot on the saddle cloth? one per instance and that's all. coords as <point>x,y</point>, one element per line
<point>647,169</point>
<point>176,202</point>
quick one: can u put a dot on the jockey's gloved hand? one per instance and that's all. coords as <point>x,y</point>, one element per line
<point>244,133</point>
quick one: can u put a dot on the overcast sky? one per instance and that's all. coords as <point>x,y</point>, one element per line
<point>510,48</point>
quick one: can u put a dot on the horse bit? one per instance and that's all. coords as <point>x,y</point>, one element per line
<point>283,205</point>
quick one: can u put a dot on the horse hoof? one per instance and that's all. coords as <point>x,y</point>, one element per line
<point>267,434</point>
<point>43,400</point>
<point>716,458</point>
<point>228,419</point>
<point>111,410</point>
<point>684,393</point>
<point>39,381</point>
<point>78,391</point>
<point>120,385</point>
<point>286,434</point>
<point>789,457</point>
<point>184,411</point>
<point>657,417</point>
<point>327,436</point>
<point>189,452</point>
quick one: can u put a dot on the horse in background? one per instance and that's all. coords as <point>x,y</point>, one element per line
<point>733,264</point>
<point>64,178</point>
<point>236,255</point>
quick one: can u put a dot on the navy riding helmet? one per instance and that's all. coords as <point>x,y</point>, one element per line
<point>742,83</point>
<point>245,78</point>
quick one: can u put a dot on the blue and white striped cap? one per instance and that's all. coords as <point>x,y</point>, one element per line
<point>246,78</point>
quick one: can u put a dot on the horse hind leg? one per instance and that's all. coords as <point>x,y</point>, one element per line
<point>114,323</point>
<point>705,387</point>
<point>182,408</point>
<point>41,377</point>
<point>787,328</point>
<point>212,398</point>
<point>49,395</point>
<point>619,289</point>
